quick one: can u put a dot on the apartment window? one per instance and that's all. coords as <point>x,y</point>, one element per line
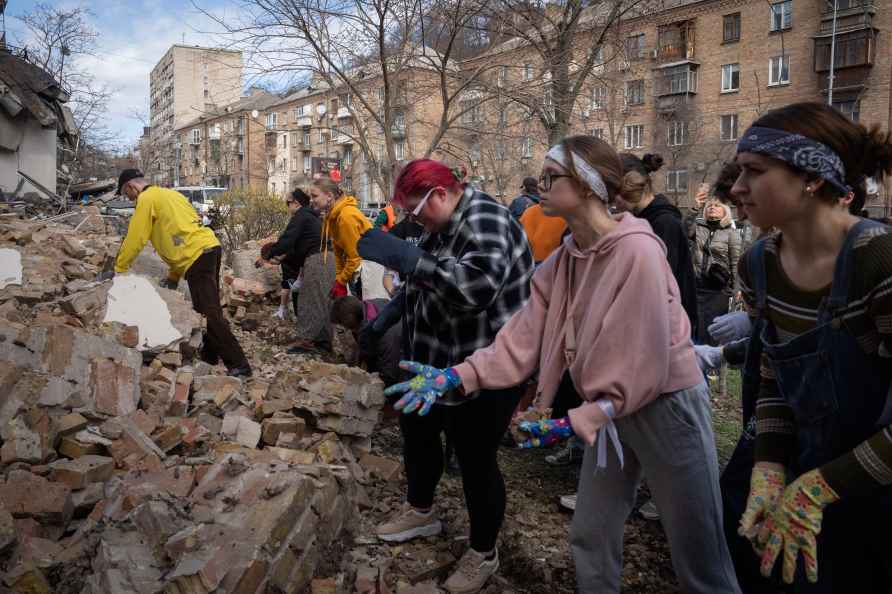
<point>598,54</point>
<point>196,136</point>
<point>298,113</point>
<point>272,120</point>
<point>731,27</point>
<point>283,166</point>
<point>729,127</point>
<point>284,141</point>
<point>294,164</point>
<point>381,94</point>
<point>307,140</point>
<point>307,163</point>
<point>503,76</point>
<point>850,108</point>
<point>635,92</point>
<point>240,146</point>
<point>730,78</point>
<point>676,133</point>
<point>599,97</point>
<point>503,117</point>
<point>634,45</point>
<point>500,151</point>
<point>598,133</point>
<point>321,137</point>
<point>634,136</point>
<point>471,112</point>
<point>348,158</point>
<point>527,148</point>
<point>295,139</point>
<point>527,72</point>
<point>779,71</point>
<point>781,15</point>
<point>273,187</point>
<point>399,150</point>
<point>474,154</point>
<point>677,181</point>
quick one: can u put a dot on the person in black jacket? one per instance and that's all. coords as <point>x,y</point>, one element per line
<point>666,221</point>
<point>300,239</point>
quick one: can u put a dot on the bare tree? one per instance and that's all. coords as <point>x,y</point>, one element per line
<point>562,39</point>
<point>379,57</point>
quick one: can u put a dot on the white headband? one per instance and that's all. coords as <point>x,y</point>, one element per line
<point>589,174</point>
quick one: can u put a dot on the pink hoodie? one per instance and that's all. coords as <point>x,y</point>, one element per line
<point>632,334</point>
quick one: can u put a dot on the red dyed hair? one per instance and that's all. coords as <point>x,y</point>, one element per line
<point>419,176</point>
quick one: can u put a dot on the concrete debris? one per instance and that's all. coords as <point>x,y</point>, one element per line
<point>128,465</point>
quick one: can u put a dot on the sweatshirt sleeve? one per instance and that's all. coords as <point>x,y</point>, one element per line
<point>138,232</point>
<point>514,354</point>
<point>636,324</point>
<point>734,244</point>
<point>352,225</point>
<point>288,238</point>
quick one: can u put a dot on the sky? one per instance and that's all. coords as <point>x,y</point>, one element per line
<point>133,36</point>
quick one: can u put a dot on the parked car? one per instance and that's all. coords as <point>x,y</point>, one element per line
<point>201,197</point>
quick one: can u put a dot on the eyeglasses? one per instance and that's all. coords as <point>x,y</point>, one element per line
<point>547,178</point>
<point>417,210</point>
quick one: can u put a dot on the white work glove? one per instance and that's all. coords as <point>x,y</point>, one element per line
<point>730,327</point>
<point>708,357</point>
<point>281,312</point>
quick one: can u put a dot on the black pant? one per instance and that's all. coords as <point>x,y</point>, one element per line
<point>475,428</point>
<point>204,286</point>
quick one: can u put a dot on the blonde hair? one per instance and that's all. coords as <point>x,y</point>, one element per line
<point>328,185</point>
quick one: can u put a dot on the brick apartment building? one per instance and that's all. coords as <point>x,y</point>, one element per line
<point>684,82</point>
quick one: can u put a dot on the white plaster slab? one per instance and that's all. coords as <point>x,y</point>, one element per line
<point>134,301</point>
<point>10,267</point>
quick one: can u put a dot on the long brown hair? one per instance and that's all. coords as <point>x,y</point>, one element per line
<point>328,185</point>
<point>599,155</point>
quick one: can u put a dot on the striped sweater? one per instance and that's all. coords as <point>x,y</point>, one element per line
<point>794,311</point>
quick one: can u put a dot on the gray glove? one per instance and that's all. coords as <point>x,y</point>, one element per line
<point>708,357</point>
<point>104,276</point>
<point>169,283</point>
<point>730,327</point>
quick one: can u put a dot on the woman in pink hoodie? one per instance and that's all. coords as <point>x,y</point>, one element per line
<point>605,309</point>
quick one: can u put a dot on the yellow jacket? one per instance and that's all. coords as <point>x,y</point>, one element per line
<point>168,220</point>
<point>344,225</point>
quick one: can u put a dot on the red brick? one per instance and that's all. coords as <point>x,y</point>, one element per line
<point>114,389</point>
<point>27,495</point>
<point>79,473</point>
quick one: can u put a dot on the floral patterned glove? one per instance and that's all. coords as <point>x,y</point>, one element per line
<point>793,526</point>
<point>545,432</point>
<point>766,487</point>
<point>423,390</point>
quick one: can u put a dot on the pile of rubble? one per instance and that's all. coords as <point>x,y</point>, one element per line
<point>128,465</point>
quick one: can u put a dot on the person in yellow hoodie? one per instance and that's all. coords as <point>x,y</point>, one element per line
<point>344,225</point>
<point>191,250</point>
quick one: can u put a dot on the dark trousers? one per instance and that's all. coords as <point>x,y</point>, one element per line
<point>475,429</point>
<point>204,286</point>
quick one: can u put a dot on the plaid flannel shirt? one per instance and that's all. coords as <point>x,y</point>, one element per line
<point>473,276</point>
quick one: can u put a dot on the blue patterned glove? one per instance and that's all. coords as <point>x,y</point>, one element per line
<point>546,432</point>
<point>423,390</point>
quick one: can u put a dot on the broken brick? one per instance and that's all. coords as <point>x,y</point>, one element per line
<point>26,495</point>
<point>82,471</point>
<point>275,426</point>
<point>72,448</point>
<point>171,359</point>
<point>386,468</point>
<point>179,396</point>
<point>115,391</point>
<point>71,423</point>
<point>8,535</point>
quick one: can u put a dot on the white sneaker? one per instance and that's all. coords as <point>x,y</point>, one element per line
<point>407,523</point>
<point>649,511</point>
<point>568,502</point>
<point>471,573</point>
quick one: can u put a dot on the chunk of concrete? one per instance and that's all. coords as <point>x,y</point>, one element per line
<point>10,267</point>
<point>26,495</point>
<point>276,426</point>
<point>79,473</point>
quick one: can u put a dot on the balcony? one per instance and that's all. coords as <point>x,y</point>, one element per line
<point>852,59</point>
<point>344,112</point>
<point>343,139</point>
<point>669,104</point>
<point>676,43</point>
<point>305,122</point>
<point>676,80</point>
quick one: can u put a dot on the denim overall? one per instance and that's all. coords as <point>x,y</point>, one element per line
<point>838,394</point>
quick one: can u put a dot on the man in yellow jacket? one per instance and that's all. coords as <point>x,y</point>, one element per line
<point>168,220</point>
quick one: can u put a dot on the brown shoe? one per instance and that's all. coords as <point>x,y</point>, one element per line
<point>472,572</point>
<point>407,524</point>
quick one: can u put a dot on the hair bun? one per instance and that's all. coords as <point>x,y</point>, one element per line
<point>652,162</point>
<point>877,152</point>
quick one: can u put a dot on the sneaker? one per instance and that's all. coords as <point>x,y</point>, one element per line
<point>565,456</point>
<point>472,572</point>
<point>407,524</point>
<point>649,511</point>
<point>568,502</point>
<point>244,371</point>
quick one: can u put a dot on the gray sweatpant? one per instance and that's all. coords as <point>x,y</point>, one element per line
<point>671,442</point>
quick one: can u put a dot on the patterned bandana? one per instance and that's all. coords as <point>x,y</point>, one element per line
<point>797,151</point>
<point>589,174</point>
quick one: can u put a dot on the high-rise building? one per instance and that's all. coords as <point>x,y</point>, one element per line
<point>187,82</point>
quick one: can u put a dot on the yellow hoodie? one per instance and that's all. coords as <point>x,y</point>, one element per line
<point>168,220</point>
<point>345,224</point>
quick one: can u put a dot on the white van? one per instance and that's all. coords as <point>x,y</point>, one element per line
<point>201,197</point>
